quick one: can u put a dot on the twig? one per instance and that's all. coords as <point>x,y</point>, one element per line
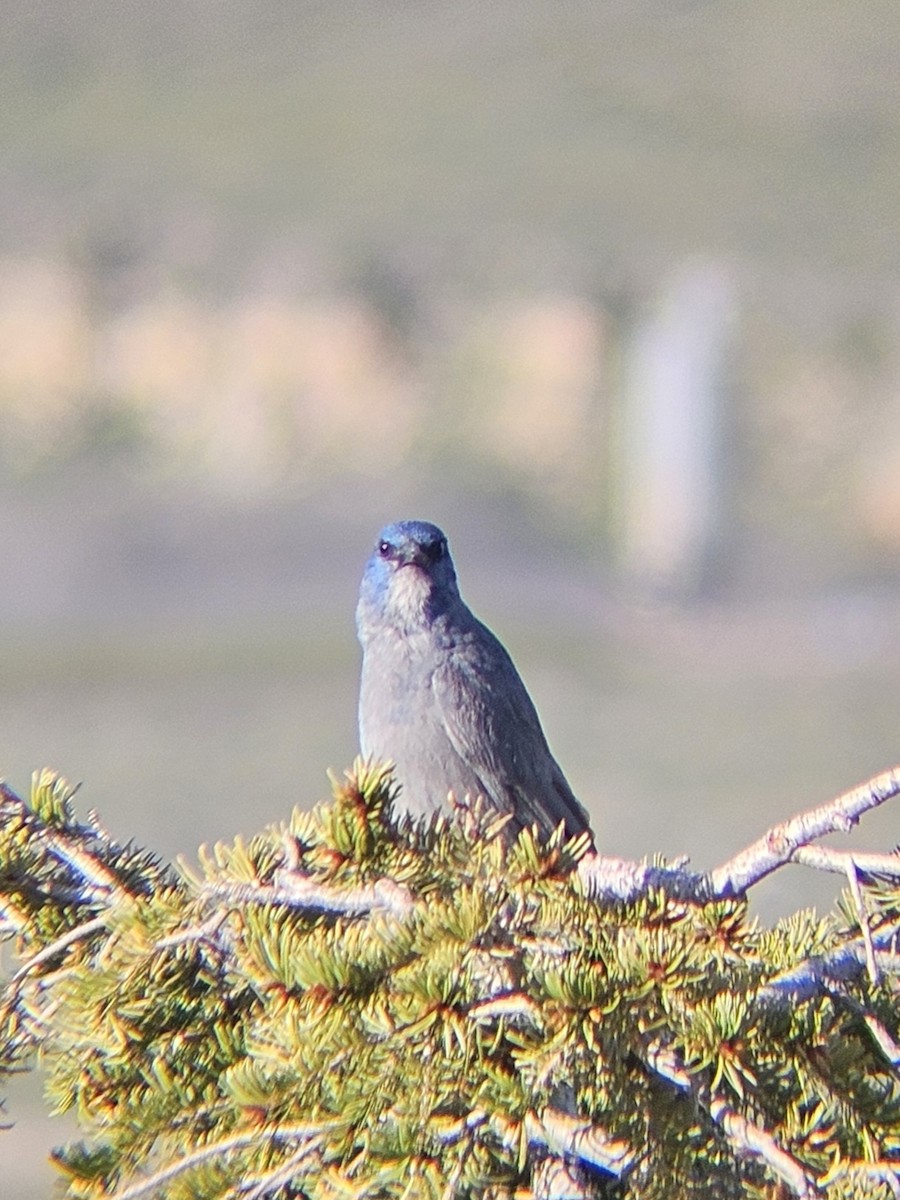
<point>827,858</point>
<point>227,1146</point>
<point>574,1138</point>
<point>300,891</point>
<point>863,916</point>
<point>101,881</point>
<point>883,1040</point>
<point>449,1135</point>
<point>777,846</point>
<point>12,992</point>
<point>819,973</point>
<point>744,1135</point>
<point>259,1187</point>
<point>70,936</point>
<point>195,933</point>
<point>757,1142</point>
<point>515,1005</point>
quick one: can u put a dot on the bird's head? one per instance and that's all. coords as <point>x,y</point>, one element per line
<point>409,578</point>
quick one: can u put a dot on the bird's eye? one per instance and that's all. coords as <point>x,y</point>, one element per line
<point>384,549</point>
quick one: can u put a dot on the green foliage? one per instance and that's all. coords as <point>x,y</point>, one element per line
<point>352,1006</point>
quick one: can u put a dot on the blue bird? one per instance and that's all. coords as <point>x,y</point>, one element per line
<point>441,698</point>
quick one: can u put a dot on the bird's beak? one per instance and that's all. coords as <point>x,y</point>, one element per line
<point>414,557</point>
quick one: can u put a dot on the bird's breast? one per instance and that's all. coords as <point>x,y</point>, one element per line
<point>397,680</point>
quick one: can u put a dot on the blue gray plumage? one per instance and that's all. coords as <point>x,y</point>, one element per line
<point>441,698</point>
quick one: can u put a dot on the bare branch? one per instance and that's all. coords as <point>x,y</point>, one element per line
<point>827,858</point>
<point>77,847</point>
<point>307,1134</point>
<point>204,932</point>
<point>300,891</point>
<point>258,1187</point>
<point>863,917</point>
<point>746,1136</point>
<point>755,1141</point>
<point>606,877</point>
<point>817,975</point>
<point>622,879</point>
<point>574,1138</point>
<point>70,936</point>
<point>778,845</point>
<point>516,1005</point>
<point>883,1040</point>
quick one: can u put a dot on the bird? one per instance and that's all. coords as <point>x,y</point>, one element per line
<point>440,696</point>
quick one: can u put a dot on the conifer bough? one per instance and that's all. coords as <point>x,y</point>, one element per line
<point>356,1006</point>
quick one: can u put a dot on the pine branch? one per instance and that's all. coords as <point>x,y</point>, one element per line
<point>297,890</point>
<point>56,947</point>
<point>352,1005</point>
<point>310,1136</point>
<point>820,974</point>
<point>576,1140</point>
<point>746,1136</point>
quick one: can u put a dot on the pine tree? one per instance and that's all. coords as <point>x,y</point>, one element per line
<point>352,1005</point>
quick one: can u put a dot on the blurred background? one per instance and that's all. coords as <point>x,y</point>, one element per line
<point>611,291</point>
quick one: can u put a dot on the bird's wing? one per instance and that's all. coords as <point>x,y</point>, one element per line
<point>493,725</point>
